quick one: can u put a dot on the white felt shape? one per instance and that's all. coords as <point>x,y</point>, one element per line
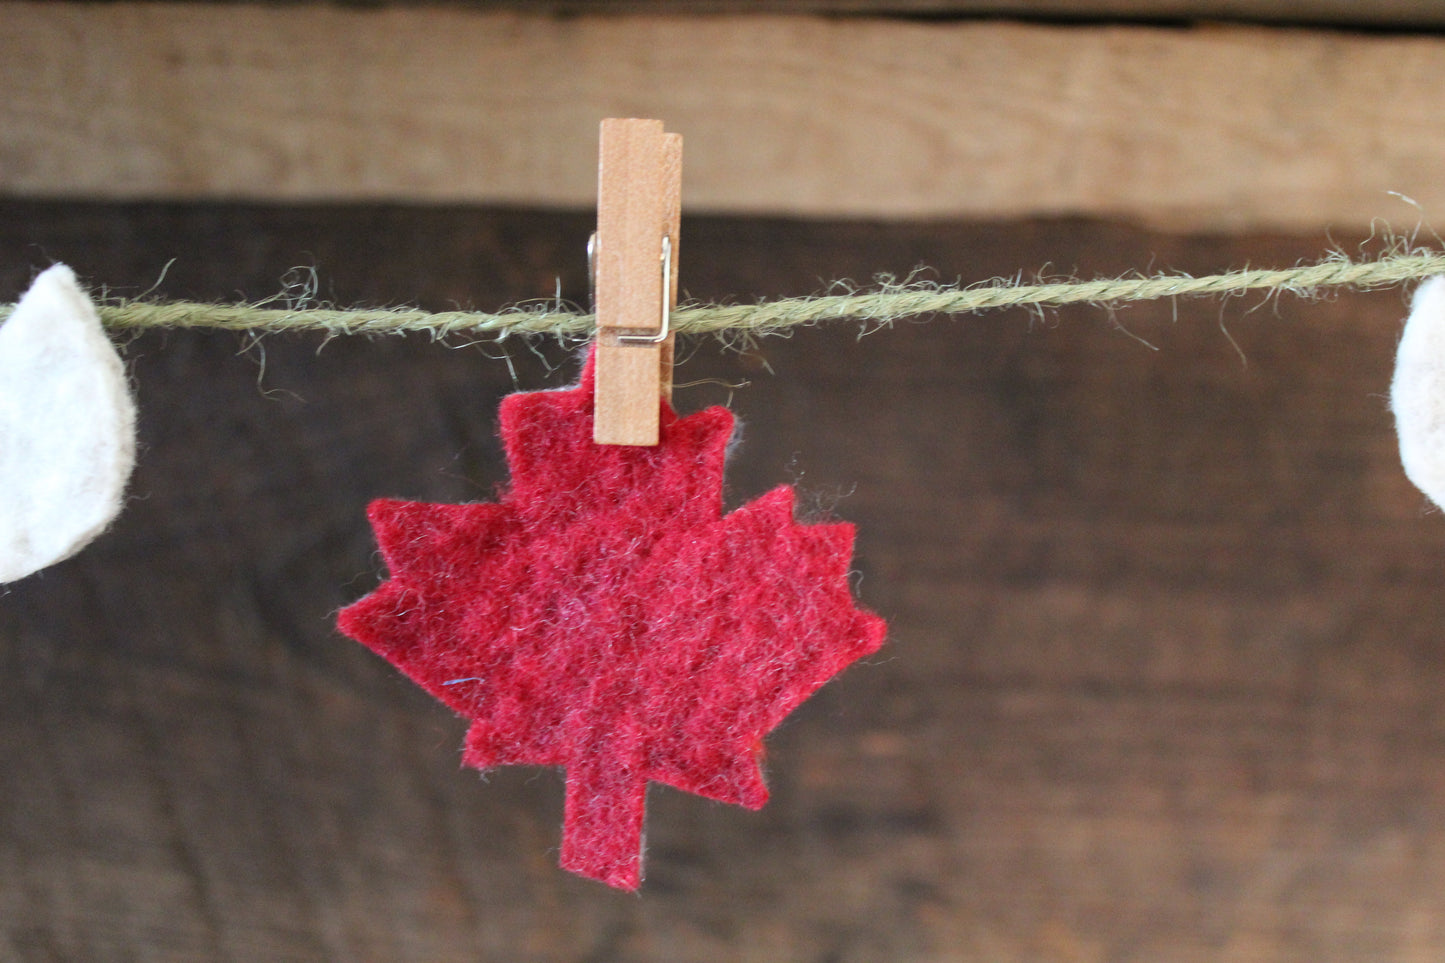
<point>67,426</point>
<point>1417,395</point>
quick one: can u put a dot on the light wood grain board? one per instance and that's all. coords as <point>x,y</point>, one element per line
<point>1202,128</point>
<point>1400,13</point>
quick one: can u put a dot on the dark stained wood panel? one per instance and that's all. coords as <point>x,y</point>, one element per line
<point>1165,673</point>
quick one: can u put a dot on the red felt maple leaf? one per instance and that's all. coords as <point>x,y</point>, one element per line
<point>605,616</point>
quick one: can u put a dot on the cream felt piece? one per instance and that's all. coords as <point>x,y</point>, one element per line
<point>67,427</point>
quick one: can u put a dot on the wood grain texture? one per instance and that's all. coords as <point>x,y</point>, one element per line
<point>1166,677</point>
<point>1232,128</point>
<point>1396,13</point>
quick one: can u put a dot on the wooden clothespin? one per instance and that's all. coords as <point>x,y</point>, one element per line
<point>639,214</point>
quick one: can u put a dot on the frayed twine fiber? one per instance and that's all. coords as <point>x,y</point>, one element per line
<point>891,303</point>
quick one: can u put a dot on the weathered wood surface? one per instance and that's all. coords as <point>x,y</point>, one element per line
<point>1166,678</point>
<point>1409,14</point>
<point>1239,128</point>
<point>1399,14</point>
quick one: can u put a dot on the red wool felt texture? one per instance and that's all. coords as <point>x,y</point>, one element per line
<point>605,616</point>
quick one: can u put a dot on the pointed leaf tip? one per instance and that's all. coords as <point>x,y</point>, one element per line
<point>374,620</point>
<point>419,538</point>
<point>777,506</point>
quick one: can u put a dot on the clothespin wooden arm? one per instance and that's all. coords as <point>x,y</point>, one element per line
<point>639,202</point>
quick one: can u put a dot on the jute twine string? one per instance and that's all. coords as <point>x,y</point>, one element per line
<point>891,303</point>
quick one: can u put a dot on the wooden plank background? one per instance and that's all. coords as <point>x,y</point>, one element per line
<point>1164,680</point>
<point>1409,14</point>
<point>1195,129</point>
<point>1165,672</point>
